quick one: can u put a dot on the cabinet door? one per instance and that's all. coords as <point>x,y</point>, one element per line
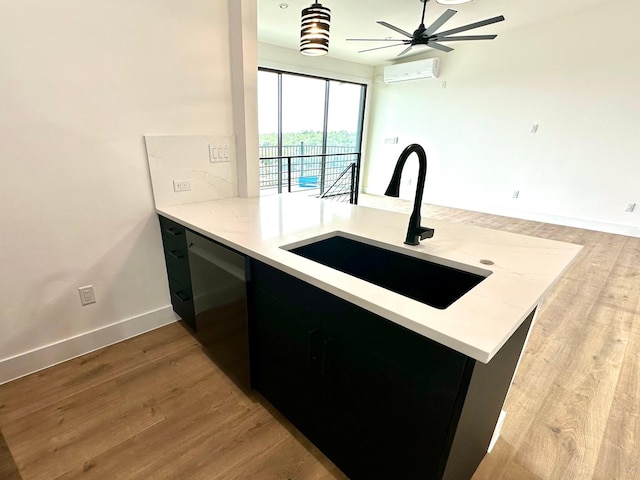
<point>394,398</point>
<point>285,360</point>
<point>379,400</point>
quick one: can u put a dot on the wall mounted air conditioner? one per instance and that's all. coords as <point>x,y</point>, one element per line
<point>412,70</point>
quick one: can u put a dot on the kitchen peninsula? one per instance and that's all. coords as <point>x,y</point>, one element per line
<point>380,382</point>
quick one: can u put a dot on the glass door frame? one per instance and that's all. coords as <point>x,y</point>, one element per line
<point>327,80</point>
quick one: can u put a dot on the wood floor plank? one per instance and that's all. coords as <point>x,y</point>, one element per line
<point>8,468</point>
<point>565,437</point>
<point>74,376</point>
<point>619,453</point>
<point>494,467</point>
<point>204,409</point>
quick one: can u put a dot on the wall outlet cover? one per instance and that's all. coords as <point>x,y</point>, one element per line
<point>87,295</point>
<point>181,185</point>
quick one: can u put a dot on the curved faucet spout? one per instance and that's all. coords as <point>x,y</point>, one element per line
<point>415,232</point>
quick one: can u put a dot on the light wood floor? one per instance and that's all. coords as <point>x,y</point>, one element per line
<point>155,407</point>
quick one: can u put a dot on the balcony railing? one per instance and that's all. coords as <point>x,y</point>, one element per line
<point>315,173</point>
<point>344,188</point>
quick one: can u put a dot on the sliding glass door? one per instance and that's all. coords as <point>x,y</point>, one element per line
<point>310,133</point>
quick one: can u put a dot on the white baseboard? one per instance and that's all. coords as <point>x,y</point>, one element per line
<point>616,228</point>
<point>40,358</point>
<point>496,432</point>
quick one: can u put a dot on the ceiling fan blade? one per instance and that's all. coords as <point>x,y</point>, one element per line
<point>375,40</point>
<point>379,48</point>
<point>438,38</point>
<point>471,26</point>
<point>395,29</point>
<point>437,46</point>
<point>442,19</point>
<point>405,51</point>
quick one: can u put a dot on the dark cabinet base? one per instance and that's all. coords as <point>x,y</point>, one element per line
<point>379,400</point>
<point>176,258</point>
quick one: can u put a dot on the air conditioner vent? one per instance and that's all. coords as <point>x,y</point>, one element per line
<point>402,72</point>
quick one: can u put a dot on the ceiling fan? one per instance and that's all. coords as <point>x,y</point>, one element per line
<point>428,36</point>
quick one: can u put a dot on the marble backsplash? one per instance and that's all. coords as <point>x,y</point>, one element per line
<point>188,158</point>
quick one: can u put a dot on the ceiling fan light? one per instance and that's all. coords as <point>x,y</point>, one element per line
<point>452,2</point>
<point>314,30</point>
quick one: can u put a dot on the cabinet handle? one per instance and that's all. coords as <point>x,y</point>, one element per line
<point>182,296</point>
<point>174,231</point>
<point>326,364</point>
<point>312,334</point>
<point>175,254</point>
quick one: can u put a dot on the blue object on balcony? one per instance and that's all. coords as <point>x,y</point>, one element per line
<point>308,182</point>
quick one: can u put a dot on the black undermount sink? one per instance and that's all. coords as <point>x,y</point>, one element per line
<point>427,282</point>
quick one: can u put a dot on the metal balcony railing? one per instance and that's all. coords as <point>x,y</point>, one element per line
<point>344,188</point>
<point>322,175</point>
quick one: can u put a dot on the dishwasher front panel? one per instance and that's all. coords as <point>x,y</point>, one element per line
<point>218,280</point>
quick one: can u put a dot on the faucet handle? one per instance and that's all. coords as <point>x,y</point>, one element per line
<point>415,234</point>
<point>425,232</point>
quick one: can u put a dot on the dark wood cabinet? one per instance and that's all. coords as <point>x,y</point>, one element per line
<point>176,257</point>
<point>393,405</point>
<point>379,400</point>
<point>285,356</point>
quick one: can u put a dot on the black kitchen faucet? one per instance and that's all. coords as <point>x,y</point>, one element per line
<point>415,232</point>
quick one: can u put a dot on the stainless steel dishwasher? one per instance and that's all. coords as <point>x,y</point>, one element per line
<point>218,279</point>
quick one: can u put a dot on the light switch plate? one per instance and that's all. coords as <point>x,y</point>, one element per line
<point>219,153</point>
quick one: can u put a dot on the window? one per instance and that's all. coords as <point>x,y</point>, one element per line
<point>310,131</point>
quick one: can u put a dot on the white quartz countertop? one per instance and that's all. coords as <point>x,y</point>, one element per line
<point>477,324</point>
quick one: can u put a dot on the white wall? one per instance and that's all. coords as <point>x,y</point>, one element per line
<point>80,84</point>
<point>243,49</point>
<point>279,58</point>
<point>581,168</point>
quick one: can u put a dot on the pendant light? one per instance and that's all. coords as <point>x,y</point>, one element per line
<point>314,30</point>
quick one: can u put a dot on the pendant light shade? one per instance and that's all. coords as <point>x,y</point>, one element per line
<point>314,30</point>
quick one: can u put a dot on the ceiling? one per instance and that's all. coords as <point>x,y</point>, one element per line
<point>357,19</point>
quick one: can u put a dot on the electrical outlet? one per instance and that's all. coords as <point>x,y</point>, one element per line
<point>534,128</point>
<point>515,194</point>
<point>87,295</point>
<point>391,140</point>
<point>630,207</point>
<point>181,185</point>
